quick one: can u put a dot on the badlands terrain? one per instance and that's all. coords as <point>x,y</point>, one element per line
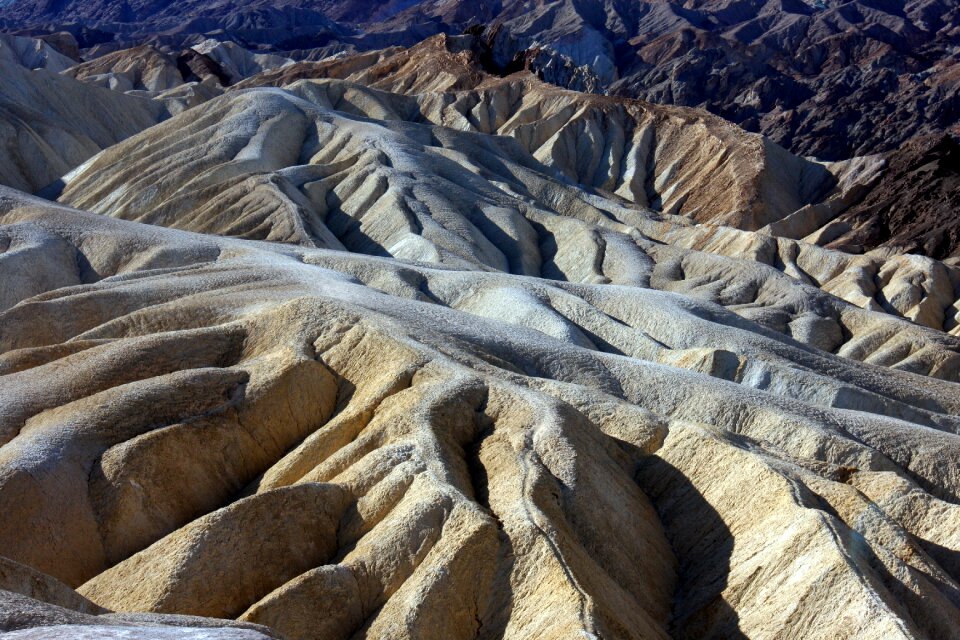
<point>391,344</point>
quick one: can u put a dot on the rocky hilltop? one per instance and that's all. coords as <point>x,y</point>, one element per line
<point>391,345</point>
<point>912,208</point>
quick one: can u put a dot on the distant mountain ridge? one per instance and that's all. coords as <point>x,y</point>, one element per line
<point>825,78</point>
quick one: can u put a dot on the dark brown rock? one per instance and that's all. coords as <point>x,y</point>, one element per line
<point>913,207</point>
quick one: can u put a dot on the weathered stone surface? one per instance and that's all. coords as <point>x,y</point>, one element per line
<point>17,578</point>
<point>253,546</point>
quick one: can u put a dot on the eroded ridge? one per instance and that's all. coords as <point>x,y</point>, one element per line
<point>336,445</point>
<point>283,166</point>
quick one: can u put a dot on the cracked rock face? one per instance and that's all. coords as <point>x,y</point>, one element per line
<point>363,349</point>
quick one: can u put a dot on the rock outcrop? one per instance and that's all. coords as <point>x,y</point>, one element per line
<point>675,161</point>
<point>144,68</point>
<point>237,63</point>
<point>178,82</point>
<point>828,78</point>
<point>832,79</point>
<point>911,208</point>
<point>31,53</point>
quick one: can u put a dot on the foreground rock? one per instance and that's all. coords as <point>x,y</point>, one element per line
<point>454,452</point>
<point>35,605</point>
